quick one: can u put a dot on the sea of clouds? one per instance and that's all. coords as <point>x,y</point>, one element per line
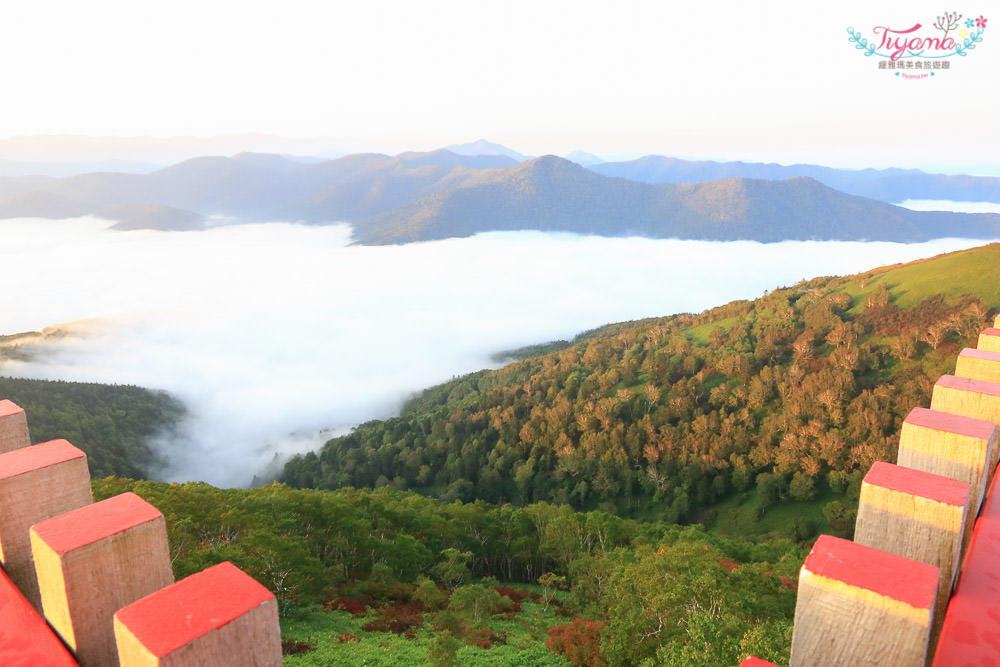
<point>277,335</point>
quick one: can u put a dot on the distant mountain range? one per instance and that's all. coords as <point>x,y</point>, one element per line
<point>441,194</point>
<point>483,147</point>
<point>888,185</point>
<point>250,186</point>
<point>553,194</point>
<point>584,159</point>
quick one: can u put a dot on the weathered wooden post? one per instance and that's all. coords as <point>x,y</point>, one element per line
<point>918,515</point>
<point>93,561</point>
<point>215,618</point>
<point>858,605</point>
<point>950,445</point>
<point>989,339</point>
<point>970,398</point>
<point>37,483</point>
<point>978,364</point>
<point>13,427</point>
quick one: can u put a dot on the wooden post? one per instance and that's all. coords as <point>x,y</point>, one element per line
<point>862,606</point>
<point>978,364</point>
<point>989,340</point>
<point>918,515</point>
<point>25,639</point>
<point>93,561</point>
<point>37,483</point>
<point>215,618</point>
<point>13,427</point>
<point>970,398</point>
<point>950,445</point>
<point>972,624</point>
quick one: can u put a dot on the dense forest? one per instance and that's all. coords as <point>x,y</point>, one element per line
<point>426,575</point>
<point>113,424</point>
<point>792,395</point>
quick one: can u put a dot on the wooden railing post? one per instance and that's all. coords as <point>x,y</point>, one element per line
<point>215,618</point>
<point>13,427</point>
<point>862,606</point>
<point>93,561</point>
<point>37,483</point>
<point>918,515</point>
<point>949,445</point>
<point>970,398</point>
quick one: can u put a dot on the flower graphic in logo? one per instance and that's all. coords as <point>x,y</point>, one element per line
<point>921,47</point>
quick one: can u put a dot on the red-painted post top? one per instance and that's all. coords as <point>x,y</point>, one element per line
<point>967,384</point>
<point>918,483</point>
<point>8,408</point>
<point>895,577</point>
<point>174,616</point>
<point>25,639</point>
<point>756,662</point>
<point>89,524</point>
<point>990,331</point>
<point>971,631</point>
<point>952,423</point>
<point>42,455</point>
<point>976,353</point>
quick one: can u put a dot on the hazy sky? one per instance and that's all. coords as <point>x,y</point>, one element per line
<point>270,332</point>
<point>748,80</point>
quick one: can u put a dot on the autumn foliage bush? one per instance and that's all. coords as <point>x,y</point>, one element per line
<point>355,606</point>
<point>292,647</point>
<point>517,596</point>
<point>578,641</point>
<point>399,618</point>
<point>485,638</point>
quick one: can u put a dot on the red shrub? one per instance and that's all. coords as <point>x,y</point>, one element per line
<point>348,637</point>
<point>399,618</point>
<point>357,606</point>
<point>292,647</point>
<point>485,638</point>
<point>517,596</point>
<point>579,642</point>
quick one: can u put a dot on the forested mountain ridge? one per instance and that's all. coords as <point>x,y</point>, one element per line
<point>793,394</point>
<point>553,194</point>
<point>249,186</point>
<point>888,185</point>
<point>112,424</point>
<point>440,194</point>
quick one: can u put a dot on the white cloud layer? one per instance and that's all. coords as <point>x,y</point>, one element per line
<point>272,332</point>
<point>947,205</point>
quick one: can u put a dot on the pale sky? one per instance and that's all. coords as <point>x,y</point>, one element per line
<point>763,81</point>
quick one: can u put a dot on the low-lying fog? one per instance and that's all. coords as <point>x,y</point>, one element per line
<point>272,332</point>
